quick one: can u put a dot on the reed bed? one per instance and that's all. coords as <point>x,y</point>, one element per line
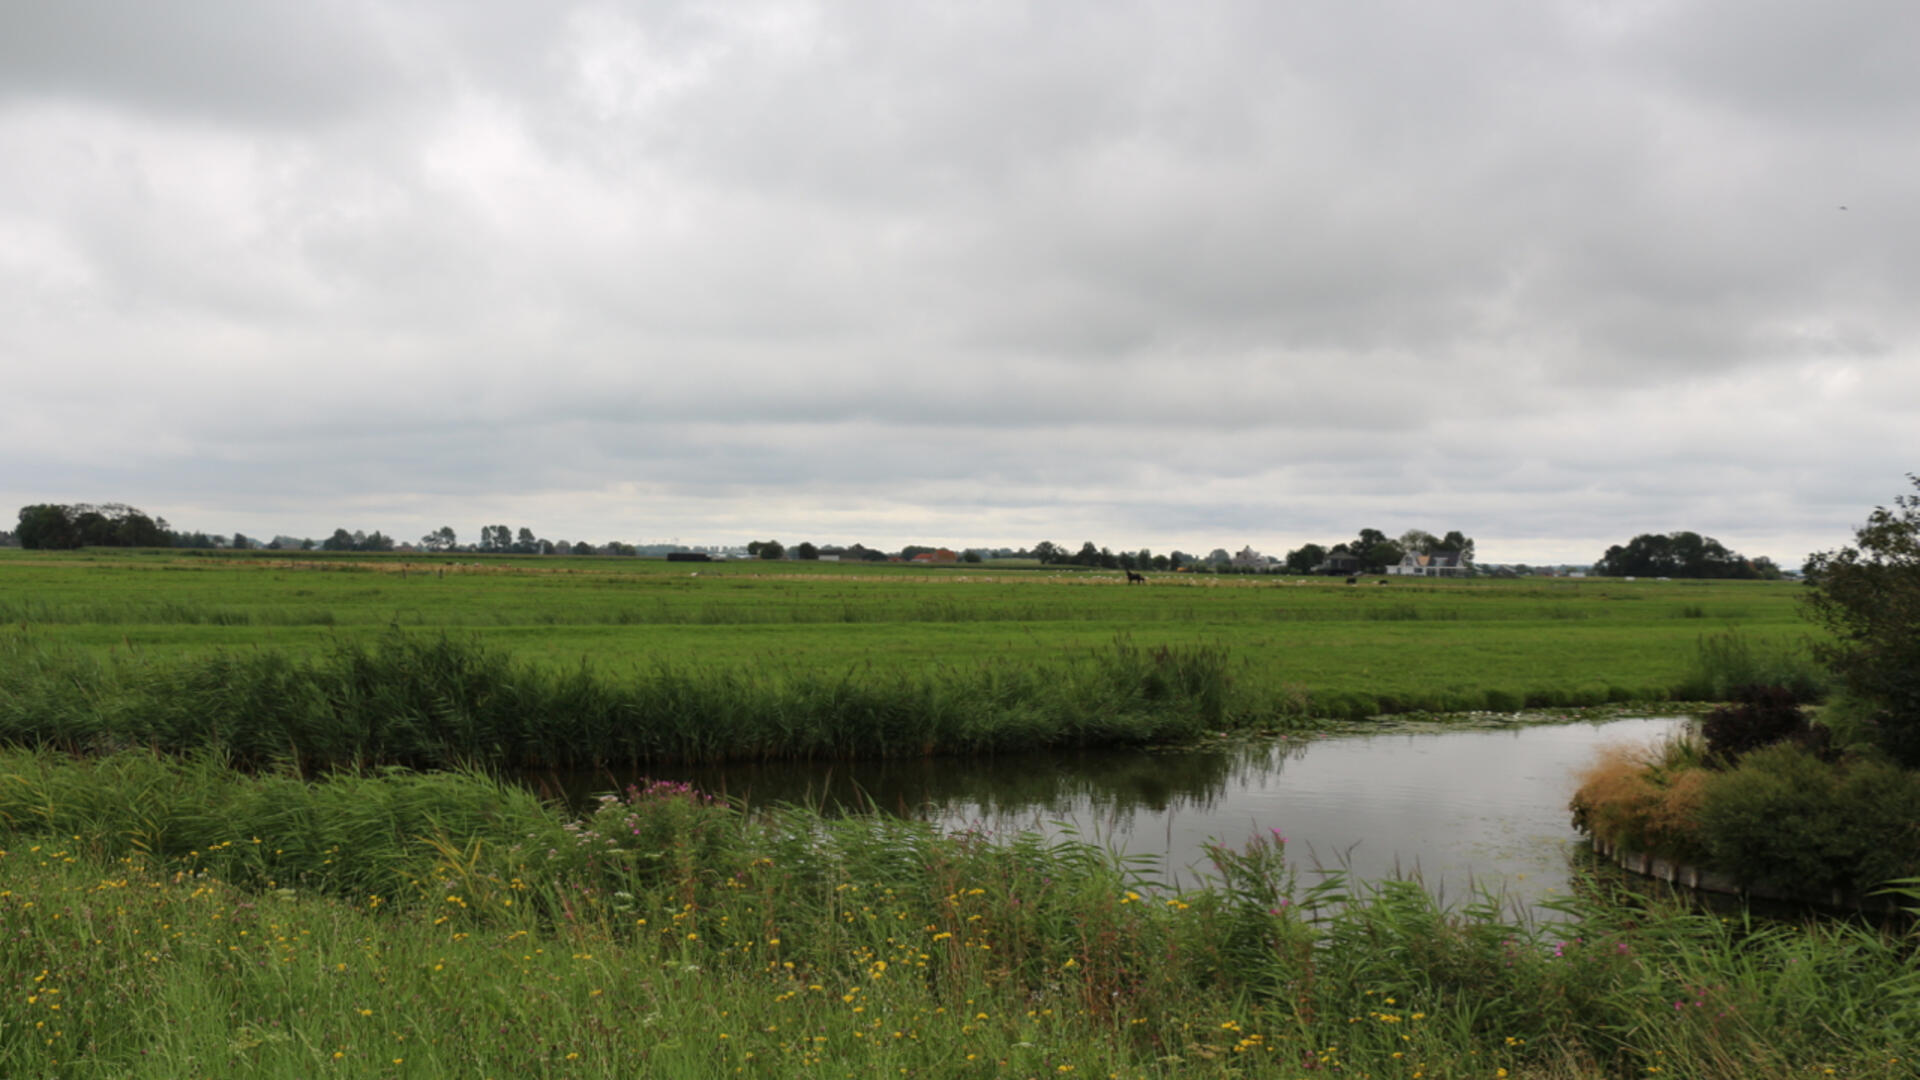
<point>669,934</point>
<point>433,701</point>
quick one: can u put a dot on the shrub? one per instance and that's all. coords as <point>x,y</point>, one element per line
<point>1869,597</point>
<point>1760,716</point>
<point>1784,819</point>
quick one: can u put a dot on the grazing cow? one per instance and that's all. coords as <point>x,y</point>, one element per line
<point>1353,581</point>
<point>1136,579</point>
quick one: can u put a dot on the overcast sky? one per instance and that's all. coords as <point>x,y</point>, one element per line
<point>1181,275</point>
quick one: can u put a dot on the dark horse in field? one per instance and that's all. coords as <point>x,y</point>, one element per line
<point>1136,579</point>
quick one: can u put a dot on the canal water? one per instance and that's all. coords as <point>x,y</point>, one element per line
<point>1465,811</point>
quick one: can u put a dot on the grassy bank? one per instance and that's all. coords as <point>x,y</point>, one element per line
<point>170,918</point>
<point>429,700</point>
<point>436,701</point>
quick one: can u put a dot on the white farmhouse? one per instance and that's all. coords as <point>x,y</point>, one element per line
<point>1438,564</point>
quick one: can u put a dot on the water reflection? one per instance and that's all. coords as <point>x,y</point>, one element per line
<point>1108,784</point>
<point>1460,809</point>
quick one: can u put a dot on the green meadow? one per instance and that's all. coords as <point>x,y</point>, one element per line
<point>1290,643</point>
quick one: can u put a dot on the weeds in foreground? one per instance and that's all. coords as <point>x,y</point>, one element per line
<point>667,934</point>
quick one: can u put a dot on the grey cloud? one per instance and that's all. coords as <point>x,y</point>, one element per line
<point>1559,272</point>
<point>201,60</point>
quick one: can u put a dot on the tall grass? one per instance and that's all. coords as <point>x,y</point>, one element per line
<point>1729,661</point>
<point>439,700</point>
<point>668,934</point>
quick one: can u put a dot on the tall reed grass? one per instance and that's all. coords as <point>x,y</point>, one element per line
<point>439,700</point>
<point>670,934</point>
<point>1729,661</point>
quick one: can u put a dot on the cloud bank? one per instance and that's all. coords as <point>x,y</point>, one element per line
<point>1171,275</point>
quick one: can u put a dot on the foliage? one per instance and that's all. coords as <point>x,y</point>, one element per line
<point>1760,716</point>
<point>1303,559</point>
<point>1785,819</point>
<point>1725,664</point>
<point>1644,799</point>
<point>1868,595</point>
<point>56,526</point>
<point>1781,818</point>
<point>437,700</point>
<point>1676,554</point>
<point>789,944</point>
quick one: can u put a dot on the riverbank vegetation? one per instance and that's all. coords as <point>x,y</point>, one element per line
<point>173,917</point>
<point>1280,650</point>
<point>1769,797</point>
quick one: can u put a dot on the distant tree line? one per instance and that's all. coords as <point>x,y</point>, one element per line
<point>1681,554</point>
<point>72,525</point>
<point>48,525</point>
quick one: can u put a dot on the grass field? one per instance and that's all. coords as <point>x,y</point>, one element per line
<point>1409,645</point>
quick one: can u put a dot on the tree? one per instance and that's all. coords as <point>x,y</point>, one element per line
<point>1418,542</point>
<point>773,549</point>
<point>1304,558</point>
<point>135,529</point>
<point>1455,540</point>
<point>972,555</point>
<point>440,539</point>
<point>46,526</point>
<point>1088,555</point>
<point>1046,551</point>
<point>527,543</point>
<point>1675,554</point>
<point>94,528</point>
<point>1382,555</point>
<point>1868,595</point>
<point>241,543</point>
<point>806,550</point>
<point>341,540</point>
<point>1219,557</point>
